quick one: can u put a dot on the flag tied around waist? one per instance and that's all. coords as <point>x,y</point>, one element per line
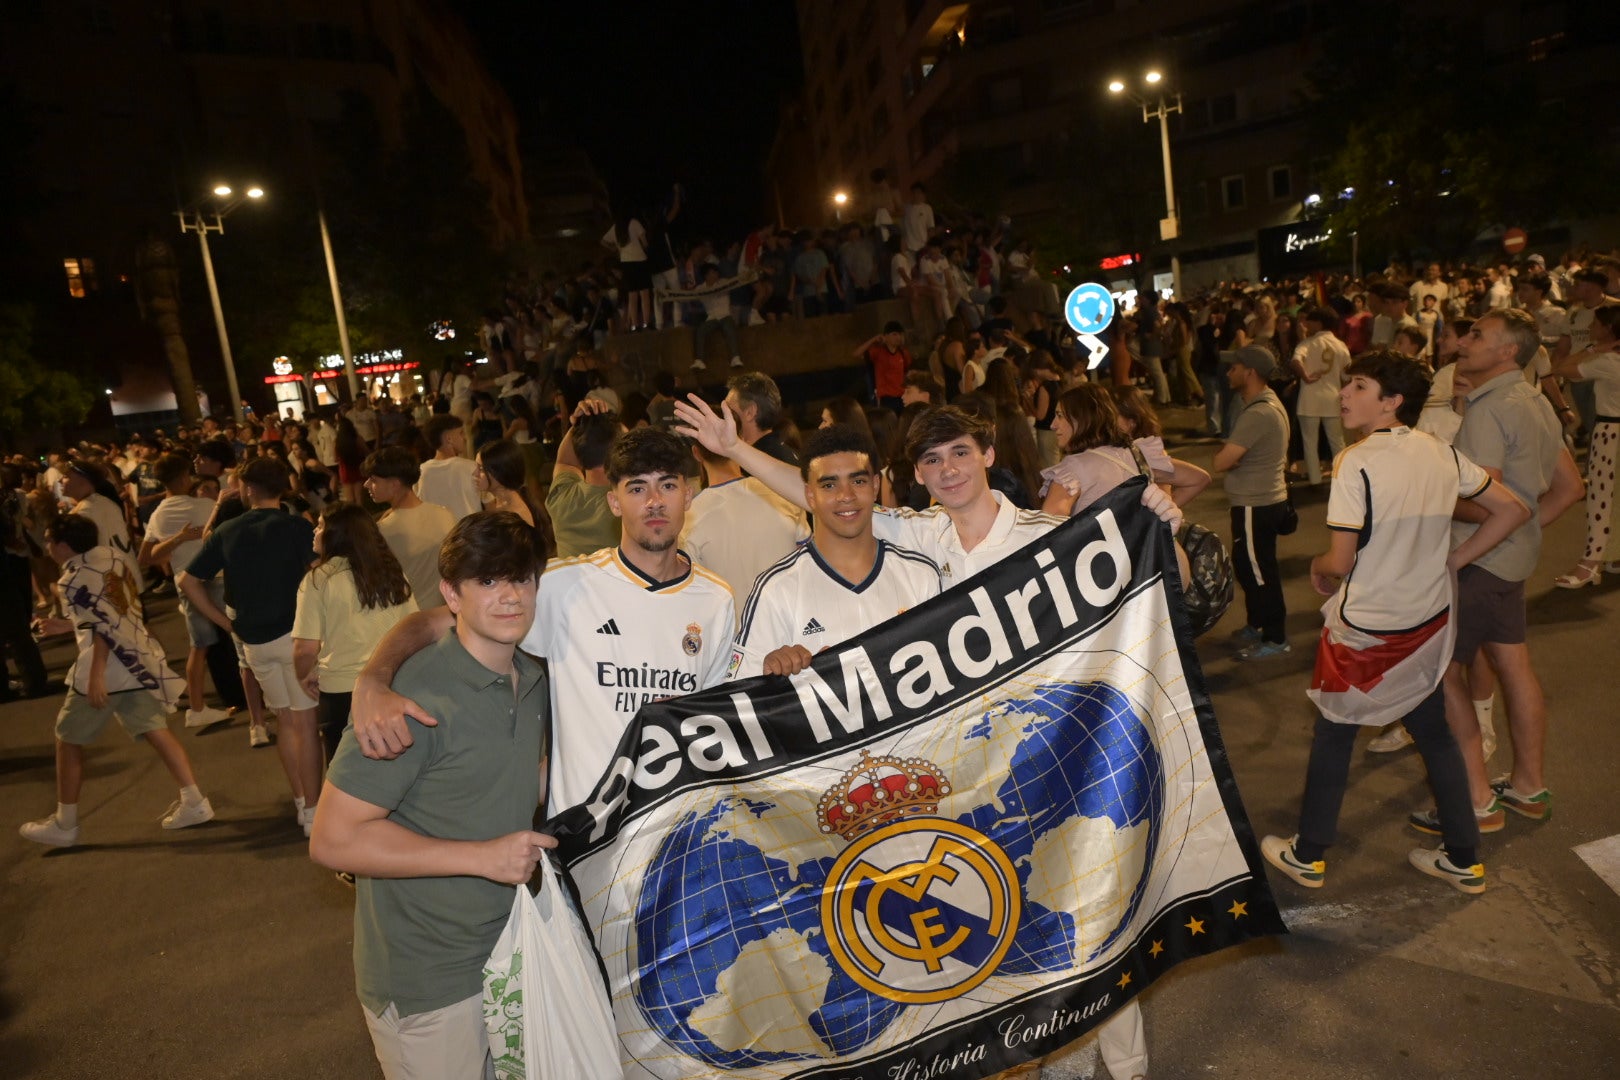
<point>954,843</point>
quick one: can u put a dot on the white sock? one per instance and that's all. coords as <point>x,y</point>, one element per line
<point>190,795</point>
<point>1482,710</point>
<point>67,815</point>
<point>298,801</point>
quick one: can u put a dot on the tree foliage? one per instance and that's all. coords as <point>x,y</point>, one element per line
<point>32,395</point>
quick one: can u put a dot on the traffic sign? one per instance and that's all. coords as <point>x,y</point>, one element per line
<point>1513,241</point>
<point>1089,308</point>
<point>1097,347</point>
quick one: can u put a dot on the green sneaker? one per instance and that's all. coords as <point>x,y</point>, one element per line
<point>1435,863</point>
<point>1491,819</point>
<point>1537,807</point>
<point>1280,853</point>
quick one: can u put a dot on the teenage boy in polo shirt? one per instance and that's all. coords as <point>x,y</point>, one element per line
<point>265,554</point>
<point>439,836</point>
<point>1384,649</point>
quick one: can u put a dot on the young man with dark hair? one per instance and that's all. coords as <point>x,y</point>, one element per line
<point>414,529</point>
<point>754,399</point>
<point>577,498</point>
<point>618,628</point>
<point>440,837</point>
<point>841,583</point>
<point>265,554</point>
<point>887,360</point>
<point>921,386</point>
<point>173,534</point>
<point>1384,650</point>
<point>120,673</point>
<point>447,479</point>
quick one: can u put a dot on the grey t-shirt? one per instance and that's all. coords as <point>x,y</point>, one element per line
<point>1509,426</point>
<point>421,942</point>
<point>1259,478</point>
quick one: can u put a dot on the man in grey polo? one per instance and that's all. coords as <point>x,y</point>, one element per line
<point>439,836</point>
<point>1510,431</point>
<point>1254,459</point>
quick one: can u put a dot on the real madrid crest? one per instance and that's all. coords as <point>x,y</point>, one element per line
<point>918,908</point>
<point>692,643</point>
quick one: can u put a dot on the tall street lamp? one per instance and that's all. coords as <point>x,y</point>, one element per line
<point>195,218</point>
<point>1156,106</point>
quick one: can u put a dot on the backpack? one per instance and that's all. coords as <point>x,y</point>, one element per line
<point>1211,583</point>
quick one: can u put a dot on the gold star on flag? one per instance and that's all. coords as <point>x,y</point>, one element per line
<point>1124,980</point>
<point>1196,926</point>
<point>1157,948</point>
<point>1238,909</point>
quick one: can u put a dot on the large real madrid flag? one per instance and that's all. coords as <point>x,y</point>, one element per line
<point>952,844</point>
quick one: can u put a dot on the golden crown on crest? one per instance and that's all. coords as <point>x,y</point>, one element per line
<point>878,791</point>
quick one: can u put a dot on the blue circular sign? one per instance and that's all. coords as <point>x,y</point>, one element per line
<point>1089,308</point>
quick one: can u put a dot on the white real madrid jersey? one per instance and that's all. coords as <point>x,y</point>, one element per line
<point>803,601</point>
<point>931,533</point>
<point>614,640</point>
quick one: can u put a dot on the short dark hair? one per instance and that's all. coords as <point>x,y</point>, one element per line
<point>1414,334</point>
<point>837,439</point>
<point>759,390</point>
<point>78,532</point>
<point>646,451</point>
<point>171,468</point>
<point>925,381</point>
<point>437,428</point>
<point>894,327</point>
<point>219,451</point>
<point>1323,316</point>
<point>1390,290</point>
<point>947,423</point>
<point>1542,283</point>
<point>267,475</point>
<point>393,463</point>
<point>594,434</point>
<point>1395,374</point>
<point>1592,276</point>
<point>490,544</point>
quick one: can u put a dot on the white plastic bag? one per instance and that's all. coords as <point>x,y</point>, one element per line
<point>545,1008</point>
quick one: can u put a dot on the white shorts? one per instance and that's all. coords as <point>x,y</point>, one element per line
<point>450,1042</point>
<point>272,664</point>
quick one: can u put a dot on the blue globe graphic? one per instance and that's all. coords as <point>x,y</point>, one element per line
<point>708,893</point>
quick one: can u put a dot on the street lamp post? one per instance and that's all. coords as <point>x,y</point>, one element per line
<point>1160,109</point>
<point>337,305</point>
<point>194,219</point>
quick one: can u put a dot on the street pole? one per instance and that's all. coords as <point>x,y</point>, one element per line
<point>1172,227</point>
<point>202,228</point>
<point>337,305</point>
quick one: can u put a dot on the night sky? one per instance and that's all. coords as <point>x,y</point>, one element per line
<point>655,94</point>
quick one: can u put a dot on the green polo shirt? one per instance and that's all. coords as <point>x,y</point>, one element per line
<point>421,943</point>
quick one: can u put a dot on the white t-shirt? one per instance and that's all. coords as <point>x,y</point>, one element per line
<point>1321,354</point>
<point>615,641</point>
<point>113,532</point>
<point>324,441</point>
<point>739,528</point>
<point>1409,483</point>
<point>900,271</point>
<point>1604,371</point>
<point>1500,294</point>
<point>930,532</point>
<point>449,482</point>
<point>1580,327</point>
<point>635,248</point>
<point>1437,289</point>
<point>330,612</point>
<point>365,423</point>
<point>172,516</point>
<point>1438,417</point>
<point>916,222</point>
<point>415,536</point>
<point>803,601</point>
<point>1553,323</point>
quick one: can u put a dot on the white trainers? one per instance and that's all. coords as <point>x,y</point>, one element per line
<point>736,362</point>
<point>258,735</point>
<point>207,716</point>
<point>699,365</point>
<point>181,816</point>
<point>306,818</point>
<point>48,831</point>
<point>1396,738</point>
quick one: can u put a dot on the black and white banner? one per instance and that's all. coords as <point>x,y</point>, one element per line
<point>952,844</point>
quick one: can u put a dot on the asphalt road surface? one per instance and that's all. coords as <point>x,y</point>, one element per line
<point>222,951</point>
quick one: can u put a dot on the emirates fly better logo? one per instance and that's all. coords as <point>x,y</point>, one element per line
<point>918,909</point>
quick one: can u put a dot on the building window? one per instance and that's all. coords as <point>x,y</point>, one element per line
<point>1233,195</point>
<point>1282,183</point>
<point>81,277</point>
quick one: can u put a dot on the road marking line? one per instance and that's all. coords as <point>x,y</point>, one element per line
<point>1603,856</point>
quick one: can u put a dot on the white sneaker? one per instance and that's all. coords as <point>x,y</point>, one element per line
<point>181,816</point>
<point>49,832</point>
<point>1396,738</point>
<point>736,362</point>
<point>258,735</point>
<point>306,818</point>
<point>206,716</point>
<point>699,365</point>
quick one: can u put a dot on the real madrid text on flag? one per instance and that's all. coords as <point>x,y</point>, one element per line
<point>952,844</point>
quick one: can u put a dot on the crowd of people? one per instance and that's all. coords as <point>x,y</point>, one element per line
<point>351,581</point>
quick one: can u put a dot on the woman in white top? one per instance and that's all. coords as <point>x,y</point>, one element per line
<point>351,598</point>
<point>1600,363</point>
<point>629,239</point>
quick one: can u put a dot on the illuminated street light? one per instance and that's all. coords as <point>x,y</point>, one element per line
<point>1153,77</point>
<point>1160,109</point>
<point>1116,87</point>
<point>193,220</point>
<point>839,199</point>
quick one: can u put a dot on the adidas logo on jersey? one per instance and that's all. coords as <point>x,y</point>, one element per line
<point>609,627</point>
<point>813,627</point>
